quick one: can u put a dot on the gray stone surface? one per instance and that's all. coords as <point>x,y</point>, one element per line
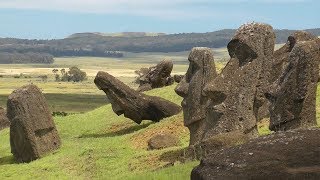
<point>134,105</point>
<point>293,95</point>
<point>201,70</point>
<point>32,131</point>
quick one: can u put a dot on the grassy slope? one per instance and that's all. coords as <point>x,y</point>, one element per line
<point>99,144</point>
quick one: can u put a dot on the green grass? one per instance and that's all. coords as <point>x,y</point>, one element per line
<point>101,145</point>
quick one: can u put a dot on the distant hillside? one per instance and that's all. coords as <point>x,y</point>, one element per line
<point>105,45</point>
<point>121,34</point>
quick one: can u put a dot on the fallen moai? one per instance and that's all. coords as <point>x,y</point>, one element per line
<point>282,155</point>
<point>156,77</point>
<point>201,70</point>
<point>32,130</point>
<point>293,95</point>
<point>235,94</point>
<point>134,105</point>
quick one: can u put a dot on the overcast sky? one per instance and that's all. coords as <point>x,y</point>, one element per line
<point>48,19</point>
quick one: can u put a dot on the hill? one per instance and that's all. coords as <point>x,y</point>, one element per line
<point>99,145</point>
<point>98,44</point>
<point>121,34</point>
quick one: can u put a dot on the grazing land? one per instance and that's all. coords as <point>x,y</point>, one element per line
<point>84,96</point>
<point>99,145</point>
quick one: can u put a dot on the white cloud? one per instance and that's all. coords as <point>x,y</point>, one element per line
<point>157,8</point>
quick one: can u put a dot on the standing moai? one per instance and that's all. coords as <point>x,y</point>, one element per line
<point>281,56</point>
<point>235,92</point>
<point>293,95</point>
<point>32,130</point>
<point>201,70</point>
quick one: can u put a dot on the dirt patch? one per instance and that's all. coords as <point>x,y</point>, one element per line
<point>173,126</point>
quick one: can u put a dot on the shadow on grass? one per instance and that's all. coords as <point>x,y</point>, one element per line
<point>7,160</point>
<point>126,130</point>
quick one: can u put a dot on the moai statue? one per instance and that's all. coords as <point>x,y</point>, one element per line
<point>132,104</point>
<point>235,93</point>
<point>201,70</point>
<point>32,130</point>
<point>293,95</point>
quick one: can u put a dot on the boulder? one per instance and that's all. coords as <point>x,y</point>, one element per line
<point>4,121</point>
<point>134,105</point>
<point>177,78</point>
<point>32,130</point>
<point>235,94</point>
<point>201,70</point>
<point>293,96</point>
<point>282,155</point>
<point>161,141</point>
<point>156,77</point>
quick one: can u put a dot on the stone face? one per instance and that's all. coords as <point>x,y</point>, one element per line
<point>134,105</point>
<point>32,131</point>
<point>161,141</point>
<point>156,77</point>
<point>201,70</point>
<point>293,95</point>
<point>236,94</point>
<point>282,155</point>
<point>4,121</point>
<point>273,69</point>
<point>281,56</point>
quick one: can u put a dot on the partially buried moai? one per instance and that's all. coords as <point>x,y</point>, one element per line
<point>201,70</point>
<point>235,92</point>
<point>293,95</point>
<point>32,130</point>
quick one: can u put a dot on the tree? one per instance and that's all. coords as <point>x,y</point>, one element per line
<point>76,75</point>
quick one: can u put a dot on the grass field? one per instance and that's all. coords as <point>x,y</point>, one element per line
<point>84,96</point>
<point>102,145</point>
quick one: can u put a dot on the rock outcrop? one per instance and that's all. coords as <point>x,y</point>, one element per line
<point>4,121</point>
<point>201,70</point>
<point>161,141</point>
<point>293,95</point>
<point>134,105</point>
<point>283,155</point>
<point>156,77</point>
<point>177,78</point>
<point>235,94</point>
<point>32,130</point>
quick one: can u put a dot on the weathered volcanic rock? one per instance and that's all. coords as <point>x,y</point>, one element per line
<point>157,76</point>
<point>283,155</point>
<point>132,104</point>
<point>281,56</point>
<point>4,121</point>
<point>235,93</point>
<point>293,95</point>
<point>32,131</point>
<point>177,78</point>
<point>201,70</point>
<point>161,141</point>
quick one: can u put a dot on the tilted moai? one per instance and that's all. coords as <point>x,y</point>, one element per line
<point>134,105</point>
<point>201,70</point>
<point>32,130</point>
<point>235,93</point>
<point>293,95</point>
